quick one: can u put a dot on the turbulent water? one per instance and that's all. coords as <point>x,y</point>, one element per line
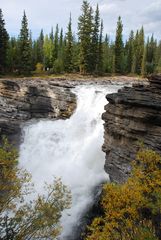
<point>70,149</point>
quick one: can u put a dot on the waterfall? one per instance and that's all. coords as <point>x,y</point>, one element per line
<point>70,149</point>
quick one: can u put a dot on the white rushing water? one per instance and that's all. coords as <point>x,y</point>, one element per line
<point>70,149</point>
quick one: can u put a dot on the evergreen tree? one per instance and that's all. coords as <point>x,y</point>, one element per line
<point>85,31</point>
<point>4,37</point>
<point>119,47</point>
<point>95,41</point>
<point>151,49</point>
<point>139,50</point>
<point>48,53</point>
<point>100,51</point>
<point>61,39</point>
<point>25,47</point>
<point>158,58</point>
<point>69,48</point>
<point>143,66</point>
<point>52,35</point>
<point>12,55</point>
<point>130,52</point>
<point>56,43</point>
<point>106,54</point>
<point>40,43</point>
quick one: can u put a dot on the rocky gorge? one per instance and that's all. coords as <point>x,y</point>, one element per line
<point>132,117</point>
<point>23,100</point>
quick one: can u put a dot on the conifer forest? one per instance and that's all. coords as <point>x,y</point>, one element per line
<point>89,51</point>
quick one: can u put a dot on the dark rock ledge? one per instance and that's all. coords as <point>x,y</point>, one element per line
<point>22,100</point>
<point>133,115</point>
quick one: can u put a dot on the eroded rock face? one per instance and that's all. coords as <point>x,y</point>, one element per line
<point>22,100</point>
<point>133,115</point>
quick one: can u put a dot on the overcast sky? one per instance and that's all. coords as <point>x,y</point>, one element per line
<point>47,13</point>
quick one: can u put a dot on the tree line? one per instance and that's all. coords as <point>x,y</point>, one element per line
<point>88,52</point>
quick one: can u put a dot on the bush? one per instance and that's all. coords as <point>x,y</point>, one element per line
<point>39,68</point>
<point>132,211</point>
<point>58,66</point>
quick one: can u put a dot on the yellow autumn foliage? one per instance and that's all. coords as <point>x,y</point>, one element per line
<point>132,211</point>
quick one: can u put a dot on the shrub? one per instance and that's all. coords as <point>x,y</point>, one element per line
<point>132,210</point>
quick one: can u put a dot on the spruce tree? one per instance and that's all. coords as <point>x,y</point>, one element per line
<point>100,50</point>
<point>24,47</point>
<point>69,48</point>
<point>143,65</point>
<point>56,43</point>
<point>151,49</point>
<point>138,50</point>
<point>12,55</point>
<point>85,31</point>
<point>106,54</point>
<point>119,47</point>
<point>40,43</point>
<point>48,52</point>
<point>130,52</point>
<point>52,35</point>
<point>4,37</point>
<point>95,41</point>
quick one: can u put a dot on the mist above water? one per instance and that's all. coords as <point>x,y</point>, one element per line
<point>70,149</point>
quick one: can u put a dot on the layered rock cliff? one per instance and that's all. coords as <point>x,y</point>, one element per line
<point>22,100</point>
<point>133,115</point>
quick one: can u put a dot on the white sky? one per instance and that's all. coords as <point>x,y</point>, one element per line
<point>47,13</point>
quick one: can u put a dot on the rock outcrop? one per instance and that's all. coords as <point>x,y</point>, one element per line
<point>22,100</point>
<point>133,115</point>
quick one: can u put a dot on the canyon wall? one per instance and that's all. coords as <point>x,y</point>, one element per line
<point>132,117</point>
<point>22,100</point>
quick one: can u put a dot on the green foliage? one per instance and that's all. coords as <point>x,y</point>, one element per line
<point>85,32</point>
<point>37,219</point>
<point>119,47</point>
<point>58,66</point>
<point>39,68</point>
<point>48,52</point>
<point>3,43</point>
<point>69,48</point>
<point>89,53</point>
<point>132,210</point>
<point>25,48</point>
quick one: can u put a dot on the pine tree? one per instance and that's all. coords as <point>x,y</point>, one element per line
<point>143,66</point>
<point>95,41</point>
<point>12,55</point>
<point>138,50</point>
<point>52,35</point>
<point>151,49</point>
<point>100,50</point>
<point>130,52</point>
<point>69,48</point>
<point>106,54</point>
<point>48,52</point>
<point>4,37</point>
<point>40,43</point>
<point>61,39</point>
<point>119,47</point>
<point>85,31</point>
<point>158,58</point>
<point>56,43</point>
<point>25,47</point>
